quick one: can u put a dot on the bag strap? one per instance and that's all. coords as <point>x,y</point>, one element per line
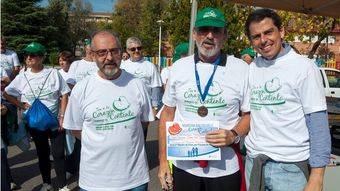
<point>41,87</point>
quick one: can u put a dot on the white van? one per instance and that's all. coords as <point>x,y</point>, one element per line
<point>331,82</point>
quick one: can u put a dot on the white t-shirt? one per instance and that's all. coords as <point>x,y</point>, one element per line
<point>144,70</point>
<point>79,70</point>
<point>63,74</point>
<point>109,113</point>
<point>8,60</point>
<point>283,91</point>
<point>165,74</point>
<point>54,87</point>
<point>228,93</point>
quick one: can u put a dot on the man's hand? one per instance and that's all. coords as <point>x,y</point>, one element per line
<point>24,105</point>
<point>315,181</point>
<point>164,175</point>
<point>220,138</point>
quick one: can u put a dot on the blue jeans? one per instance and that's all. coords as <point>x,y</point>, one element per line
<point>279,176</point>
<point>143,187</point>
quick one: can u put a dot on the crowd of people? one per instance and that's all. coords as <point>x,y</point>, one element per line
<point>104,103</point>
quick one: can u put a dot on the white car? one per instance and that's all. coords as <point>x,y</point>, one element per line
<point>331,82</point>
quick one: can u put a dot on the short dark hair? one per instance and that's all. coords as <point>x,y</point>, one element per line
<point>66,55</point>
<point>260,14</point>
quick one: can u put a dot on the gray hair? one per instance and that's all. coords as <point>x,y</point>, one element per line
<point>134,40</point>
<point>104,32</point>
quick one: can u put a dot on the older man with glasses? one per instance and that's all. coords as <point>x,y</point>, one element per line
<point>144,70</point>
<point>106,110</point>
<point>207,87</point>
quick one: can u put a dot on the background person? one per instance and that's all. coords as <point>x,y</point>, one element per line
<point>27,86</point>
<point>144,70</point>
<point>9,60</point>
<point>248,55</point>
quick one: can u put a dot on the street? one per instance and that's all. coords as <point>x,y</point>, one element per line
<point>25,169</point>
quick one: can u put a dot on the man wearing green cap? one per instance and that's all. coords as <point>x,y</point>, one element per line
<point>206,87</point>
<point>248,55</point>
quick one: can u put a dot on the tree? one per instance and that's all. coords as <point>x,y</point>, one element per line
<point>302,25</point>
<point>126,18</point>
<point>80,28</point>
<point>57,12</point>
<point>24,22</point>
<point>148,27</point>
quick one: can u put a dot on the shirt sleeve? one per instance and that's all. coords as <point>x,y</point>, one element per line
<point>3,73</point>
<point>169,97</point>
<point>320,139</point>
<point>146,113</point>
<point>63,88</point>
<point>73,119</point>
<point>70,77</point>
<point>16,62</point>
<point>245,96</point>
<point>311,91</point>
<point>155,78</point>
<point>14,88</point>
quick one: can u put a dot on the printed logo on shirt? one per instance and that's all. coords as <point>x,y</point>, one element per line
<point>107,117</point>
<point>81,76</point>
<point>266,95</point>
<point>5,63</point>
<point>214,99</point>
<point>45,93</point>
<point>139,74</point>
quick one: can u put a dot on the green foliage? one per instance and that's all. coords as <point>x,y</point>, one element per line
<point>126,18</point>
<point>53,58</point>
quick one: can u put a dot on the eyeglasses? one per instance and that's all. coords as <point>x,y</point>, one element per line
<point>104,52</point>
<point>139,48</point>
<point>205,30</point>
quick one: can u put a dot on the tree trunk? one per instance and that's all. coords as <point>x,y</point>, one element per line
<point>320,38</point>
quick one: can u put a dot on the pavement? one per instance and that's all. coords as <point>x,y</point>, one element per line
<point>25,169</point>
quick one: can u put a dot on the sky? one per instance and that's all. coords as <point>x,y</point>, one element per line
<point>97,5</point>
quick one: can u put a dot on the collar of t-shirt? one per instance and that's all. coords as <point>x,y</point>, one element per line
<point>286,49</point>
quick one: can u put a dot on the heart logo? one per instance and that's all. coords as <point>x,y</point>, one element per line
<point>273,85</point>
<point>120,104</point>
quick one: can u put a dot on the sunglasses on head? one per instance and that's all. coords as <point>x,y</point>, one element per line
<point>139,48</point>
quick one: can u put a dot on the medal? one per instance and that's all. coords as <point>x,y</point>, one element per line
<point>202,111</point>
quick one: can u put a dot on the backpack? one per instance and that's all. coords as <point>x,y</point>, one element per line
<point>38,116</point>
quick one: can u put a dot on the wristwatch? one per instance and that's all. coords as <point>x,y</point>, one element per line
<point>237,136</point>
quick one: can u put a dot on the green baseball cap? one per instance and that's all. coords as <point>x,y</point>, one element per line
<point>210,17</point>
<point>248,51</point>
<point>182,48</point>
<point>87,42</point>
<point>35,48</point>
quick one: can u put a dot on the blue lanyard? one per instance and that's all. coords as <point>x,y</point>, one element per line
<point>198,82</point>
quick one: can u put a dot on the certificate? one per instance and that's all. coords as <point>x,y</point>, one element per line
<point>186,141</point>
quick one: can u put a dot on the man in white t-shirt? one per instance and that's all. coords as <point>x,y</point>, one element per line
<point>207,86</point>
<point>106,110</point>
<point>144,70</point>
<point>9,60</point>
<point>80,69</point>
<point>289,130</point>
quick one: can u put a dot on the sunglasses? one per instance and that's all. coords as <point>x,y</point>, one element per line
<point>205,30</point>
<point>104,52</point>
<point>139,48</point>
<point>32,55</point>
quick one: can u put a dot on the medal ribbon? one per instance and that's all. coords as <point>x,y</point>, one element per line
<point>198,82</point>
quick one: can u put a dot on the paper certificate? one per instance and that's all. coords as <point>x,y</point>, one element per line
<point>186,141</point>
